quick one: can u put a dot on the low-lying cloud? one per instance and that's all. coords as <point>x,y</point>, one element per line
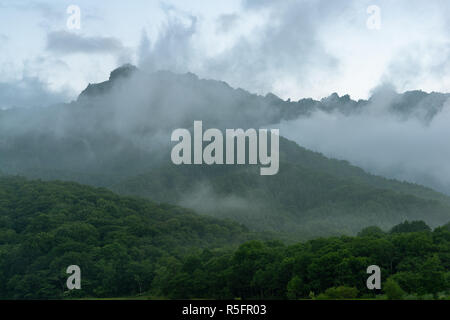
<point>382,143</point>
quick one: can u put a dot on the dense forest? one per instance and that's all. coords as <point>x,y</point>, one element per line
<point>119,242</point>
<point>127,246</point>
<point>414,262</point>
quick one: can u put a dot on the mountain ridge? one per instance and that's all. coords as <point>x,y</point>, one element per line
<point>118,131</point>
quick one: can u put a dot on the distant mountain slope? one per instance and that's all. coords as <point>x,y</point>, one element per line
<point>120,127</point>
<point>294,153</point>
<point>298,200</point>
<point>117,134</point>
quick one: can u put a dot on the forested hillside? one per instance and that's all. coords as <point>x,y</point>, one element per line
<point>120,243</point>
<point>310,196</point>
<point>129,247</point>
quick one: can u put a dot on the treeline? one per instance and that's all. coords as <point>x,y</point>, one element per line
<point>414,262</point>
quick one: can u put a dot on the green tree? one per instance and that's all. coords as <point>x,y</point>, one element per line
<point>295,288</point>
<point>413,226</point>
<point>372,231</point>
<point>393,290</point>
<point>341,292</point>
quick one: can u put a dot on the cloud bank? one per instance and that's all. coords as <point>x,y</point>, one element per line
<point>405,148</point>
<point>29,92</point>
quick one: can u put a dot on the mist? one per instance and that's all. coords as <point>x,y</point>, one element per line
<point>412,147</point>
<point>29,92</point>
<point>124,124</point>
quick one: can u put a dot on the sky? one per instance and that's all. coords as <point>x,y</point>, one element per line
<point>294,49</point>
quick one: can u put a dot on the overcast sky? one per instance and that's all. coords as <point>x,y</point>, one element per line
<point>295,49</point>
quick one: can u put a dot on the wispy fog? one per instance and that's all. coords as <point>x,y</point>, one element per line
<point>411,148</point>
